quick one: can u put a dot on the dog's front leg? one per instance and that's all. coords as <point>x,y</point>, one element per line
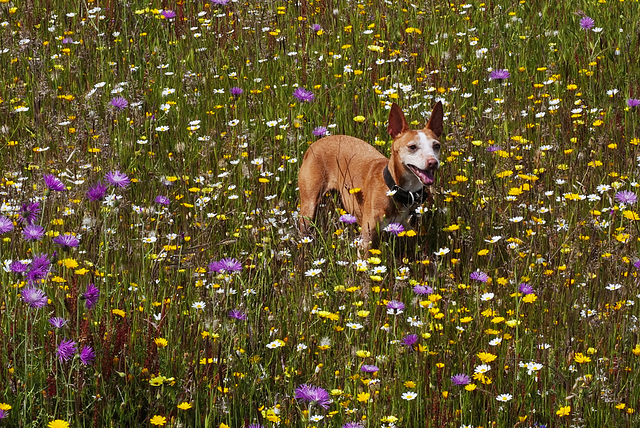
<point>369,234</point>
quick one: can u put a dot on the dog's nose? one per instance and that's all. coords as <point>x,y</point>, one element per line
<point>432,163</point>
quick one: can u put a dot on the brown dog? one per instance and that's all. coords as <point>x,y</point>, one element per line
<point>389,189</point>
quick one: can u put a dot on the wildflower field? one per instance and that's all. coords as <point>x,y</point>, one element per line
<point>152,269</point>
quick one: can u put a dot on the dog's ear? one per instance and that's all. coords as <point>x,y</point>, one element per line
<point>435,121</point>
<point>397,123</point>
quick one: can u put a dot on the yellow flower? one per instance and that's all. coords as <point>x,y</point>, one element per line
<point>161,342</point>
<point>581,358</point>
<point>158,420</point>
<point>272,416</point>
<point>157,381</point>
<point>5,406</point>
<point>486,357</point>
<point>119,312</point>
<point>69,263</point>
<point>184,406</point>
<point>359,119</point>
<point>410,384</point>
<point>364,354</point>
<point>563,411</point>
<point>58,423</point>
<point>470,387</point>
<point>363,397</point>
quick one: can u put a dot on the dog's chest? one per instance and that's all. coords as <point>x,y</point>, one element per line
<point>398,214</point>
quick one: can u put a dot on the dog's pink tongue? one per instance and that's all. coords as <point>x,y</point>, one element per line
<point>426,176</point>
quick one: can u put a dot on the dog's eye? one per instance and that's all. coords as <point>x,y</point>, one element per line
<point>412,146</point>
<point>436,146</point>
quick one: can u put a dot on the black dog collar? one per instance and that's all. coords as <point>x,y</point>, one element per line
<point>401,195</point>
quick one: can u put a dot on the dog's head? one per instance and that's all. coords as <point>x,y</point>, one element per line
<point>416,151</point>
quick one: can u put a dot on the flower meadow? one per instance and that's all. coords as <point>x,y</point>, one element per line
<point>152,272</point>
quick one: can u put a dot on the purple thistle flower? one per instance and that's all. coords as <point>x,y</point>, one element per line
<point>40,261</point>
<point>422,289</point>
<point>33,232</point>
<point>97,192</point>
<point>162,200</point>
<point>91,296</point>
<point>394,307</point>
<point>66,349</point>
<point>626,197</point>
<point>236,92</point>
<point>493,148</point>
<point>168,14</point>
<point>53,183</point>
<point>226,265</point>
<point>394,228</point>
<point>525,288</point>
<point>34,297</point>
<point>633,102</point>
<point>409,340</point>
<point>57,322</point>
<point>29,212</point>
<point>353,425</point>
<point>303,95</point>
<point>313,394</point>
<point>87,355</point>
<point>6,225</point>
<point>460,379</point>
<point>237,314</point>
<point>117,179</point>
<point>18,267</point>
<point>67,40</point>
<point>66,240</point>
<point>499,75</point>
<point>478,275</point>
<point>636,264</point>
<point>320,131</point>
<point>220,2</point>
<point>316,27</point>
<point>369,368</point>
<point>3,414</point>
<point>587,23</point>
<point>348,218</point>
<point>119,103</point>
<point>39,268</point>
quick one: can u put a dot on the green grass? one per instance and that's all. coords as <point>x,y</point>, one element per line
<point>536,160</point>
